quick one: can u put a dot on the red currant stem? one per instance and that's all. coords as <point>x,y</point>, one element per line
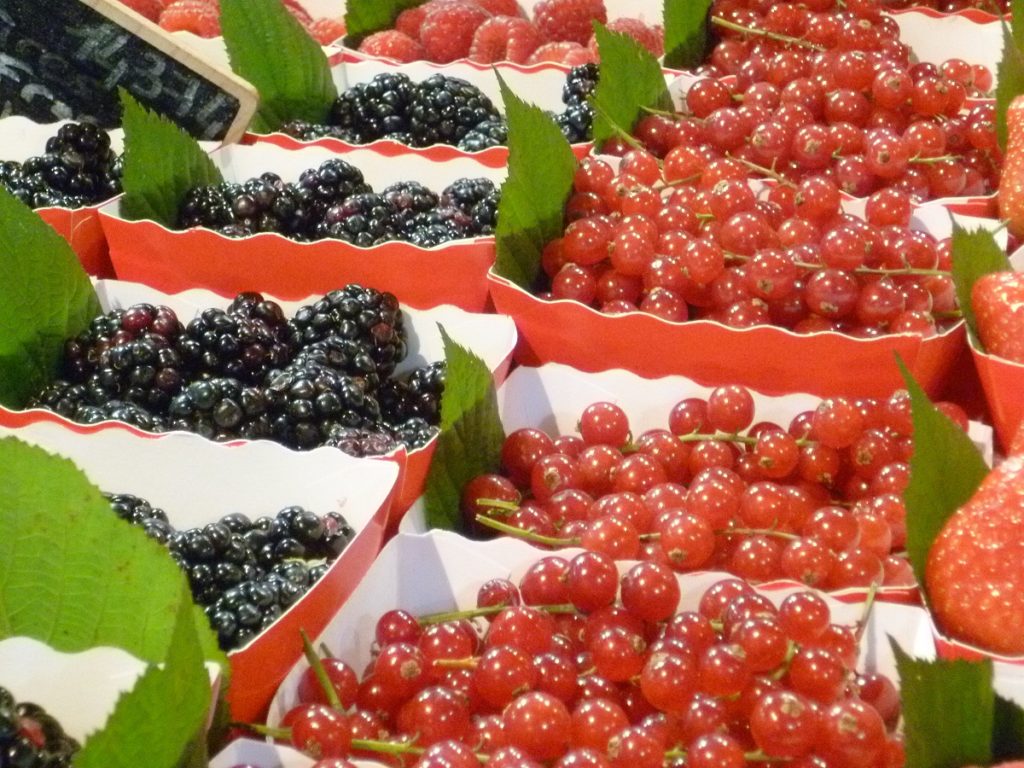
<point>869,603</point>
<point>616,128</point>
<point>472,613</point>
<point>387,747</point>
<point>791,649</point>
<point>926,160</point>
<point>956,314</point>
<point>763,170</point>
<point>662,112</point>
<point>498,504</point>
<point>325,652</point>
<point>754,31</point>
<point>858,270</point>
<point>281,734</point>
<point>469,662</point>
<point>757,532</point>
<point>321,674</point>
<point>537,538</point>
<point>721,437</point>
<point>682,182</point>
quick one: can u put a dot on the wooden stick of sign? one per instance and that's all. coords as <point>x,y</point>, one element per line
<point>64,57</point>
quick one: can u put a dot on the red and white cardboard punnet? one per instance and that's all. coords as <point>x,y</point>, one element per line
<point>452,273</point>
<point>79,689</point>
<point>21,139</point>
<point>196,481</point>
<point>442,572</point>
<point>491,337</point>
<point>767,358</point>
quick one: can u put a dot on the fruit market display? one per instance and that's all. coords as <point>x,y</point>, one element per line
<point>77,169</point>
<point>322,377</point>
<point>489,31</point>
<point>439,110</point>
<point>740,503</point>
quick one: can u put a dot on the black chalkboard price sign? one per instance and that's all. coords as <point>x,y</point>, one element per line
<point>66,59</point>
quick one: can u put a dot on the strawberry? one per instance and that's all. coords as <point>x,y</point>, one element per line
<point>392,44</point>
<point>1011,183</point>
<point>974,574</point>
<point>998,302</point>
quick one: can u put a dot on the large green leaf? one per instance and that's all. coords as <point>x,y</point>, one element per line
<point>531,213</point>
<point>1008,730</point>
<point>158,723</point>
<point>948,711</point>
<point>364,17</point>
<point>630,80</point>
<point>945,470</point>
<point>471,434</point>
<point>76,576</point>
<point>161,163</point>
<point>45,298</point>
<point>975,253</point>
<point>270,48</point>
<point>687,33</point>
<point>1010,72</point>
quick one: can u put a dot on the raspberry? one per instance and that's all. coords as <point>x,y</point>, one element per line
<point>577,57</point>
<point>447,32</point>
<point>195,16</point>
<point>149,8</point>
<point>555,52</point>
<point>410,20</point>
<point>504,38</point>
<point>569,19</point>
<point>325,31</point>
<point>500,7</point>
<point>392,44</point>
<point>651,38</point>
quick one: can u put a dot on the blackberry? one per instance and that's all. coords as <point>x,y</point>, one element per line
<point>61,397</point>
<point>489,133</point>
<point>364,219</point>
<point>128,354</point>
<point>324,187</point>
<point>478,198</point>
<point>444,109</point>
<point>243,343</point>
<point>580,84</point>
<point>576,122</point>
<point>140,512</point>
<point>306,401</point>
<point>418,395</point>
<point>407,199</point>
<point>220,409</point>
<point>367,316</point>
<point>375,110</point>
<point>208,206</point>
<point>30,737</point>
<point>361,442</point>
<point>304,131</point>
<point>117,410</point>
<point>414,432</point>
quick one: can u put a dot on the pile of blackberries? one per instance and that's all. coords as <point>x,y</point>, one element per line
<point>325,376</point>
<point>31,738</point>
<point>245,573</point>
<point>77,169</point>
<point>333,201</point>
<point>438,110</point>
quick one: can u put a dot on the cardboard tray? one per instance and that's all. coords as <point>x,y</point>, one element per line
<point>767,358</point>
<point>256,478</point>
<point>452,273</point>
<point>492,337</point>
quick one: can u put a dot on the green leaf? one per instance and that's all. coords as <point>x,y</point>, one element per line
<point>630,80</point>
<point>945,470</point>
<point>75,575</point>
<point>272,50</point>
<point>531,213</point>
<point>1010,72</point>
<point>364,17</point>
<point>158,723</point>
<point>975,253</point>
<point>948,711</point>
<point>45,298</point>
<point>687,33</point>
<point>161,163</point>
<point>471,434</point>
<point>1008,732</point>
